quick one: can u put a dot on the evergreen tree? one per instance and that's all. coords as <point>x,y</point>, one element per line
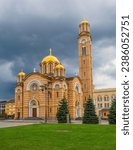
<point>62,111</point>
<point>90,116</point>
<point>112,113</point>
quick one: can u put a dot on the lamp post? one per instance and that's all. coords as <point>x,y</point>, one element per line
<point>45,87</point>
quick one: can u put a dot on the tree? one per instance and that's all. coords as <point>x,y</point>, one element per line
<point>112,113</point>
<point>63,112</point>
<point>90,116</point>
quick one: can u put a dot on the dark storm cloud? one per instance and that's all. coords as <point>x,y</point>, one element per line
<point>29,28</point>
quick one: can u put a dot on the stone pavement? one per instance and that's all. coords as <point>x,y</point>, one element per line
<point>11,123</point>
<point>7,123</point>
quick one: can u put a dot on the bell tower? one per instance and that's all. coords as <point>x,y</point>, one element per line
<point>85,59</point>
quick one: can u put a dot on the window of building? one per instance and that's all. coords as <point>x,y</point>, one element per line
<point>18,91</point>
<point>83,51</point>
<point>45,68</point>
<point>57,94</point>
<point>85,86</point>
<point>105,114</point>
<point>105,105</point>
<point>106,98</point>
<point>51,66</point>
<point>99,98</point>
<point>57,86</point>
<point>101,105</point>
<point>85,98</point>
<point>19,97</point>
<point>34,87</point>
<point>77,88</point>
<point>50,94</point>
<point>113,97</point>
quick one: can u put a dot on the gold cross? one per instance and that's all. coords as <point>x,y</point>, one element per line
<point>50,50</point>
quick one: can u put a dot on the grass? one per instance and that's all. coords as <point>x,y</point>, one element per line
<point>58,137</point>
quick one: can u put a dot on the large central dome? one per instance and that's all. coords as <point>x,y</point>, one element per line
<point>51,66</point>
<point>50,58</point>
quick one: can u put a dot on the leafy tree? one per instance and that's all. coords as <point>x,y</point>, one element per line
<point>63,112</point>
<point>90,116</point>
<point>112,113</point>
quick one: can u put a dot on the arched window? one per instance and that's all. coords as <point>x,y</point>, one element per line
<point>18,91</point>
<point>51,67</point>
<point>99,98</point>
<point>77,88</point>
<point>33,103</point>
<point>106,98</point>
<point>19,97</point>
<point>83,51</point>
<point>65,87</point>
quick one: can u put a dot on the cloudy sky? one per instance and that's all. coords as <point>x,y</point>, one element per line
<point>28,28</point>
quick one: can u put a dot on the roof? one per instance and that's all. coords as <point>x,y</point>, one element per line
<point>84,21</point>
<point>11,101</point>
<point>2,101</point>
<point>50,58</point>
<point>104,90</point>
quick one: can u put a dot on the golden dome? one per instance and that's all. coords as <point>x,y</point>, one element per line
<point>84,21</point>
<point>59,66</point>
<point>21,73</point>
<point>50,58</point>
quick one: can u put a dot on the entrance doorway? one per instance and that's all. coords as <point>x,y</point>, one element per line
<point>33,108</point>
<point>34,112</point>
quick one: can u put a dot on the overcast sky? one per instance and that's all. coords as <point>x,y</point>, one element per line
<point>28,28</point>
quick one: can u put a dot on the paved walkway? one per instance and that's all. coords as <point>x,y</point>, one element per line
<point>11,123</point>
<point>5,124</point>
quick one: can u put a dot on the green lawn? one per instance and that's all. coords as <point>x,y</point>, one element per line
<point>58,137</point>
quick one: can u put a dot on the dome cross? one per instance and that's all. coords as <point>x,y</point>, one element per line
<point>50,51</point>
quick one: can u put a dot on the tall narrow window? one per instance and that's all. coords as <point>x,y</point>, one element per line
<point>45,69</point>
<point>85,98</point>
<point>19,97</point>
<point>83,51</point>
<point>57,94</point>
<point>85,86</point>
<point>50,67</point>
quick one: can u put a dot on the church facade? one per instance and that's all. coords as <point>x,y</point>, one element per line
<point>37,94</point>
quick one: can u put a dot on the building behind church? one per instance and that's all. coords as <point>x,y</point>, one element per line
<point>37,94</point>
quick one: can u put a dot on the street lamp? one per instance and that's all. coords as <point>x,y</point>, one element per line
<point>45,87</point>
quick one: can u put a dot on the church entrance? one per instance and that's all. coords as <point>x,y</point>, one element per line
<point>34,112</point>
<point>33,108</point>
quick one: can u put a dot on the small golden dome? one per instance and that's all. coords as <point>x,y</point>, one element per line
<point>59,66</point>
<point>50,58</point>
<point>21,74</point>
<point>84,21</point>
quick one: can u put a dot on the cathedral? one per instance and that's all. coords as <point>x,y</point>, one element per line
<point>37,95</point>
